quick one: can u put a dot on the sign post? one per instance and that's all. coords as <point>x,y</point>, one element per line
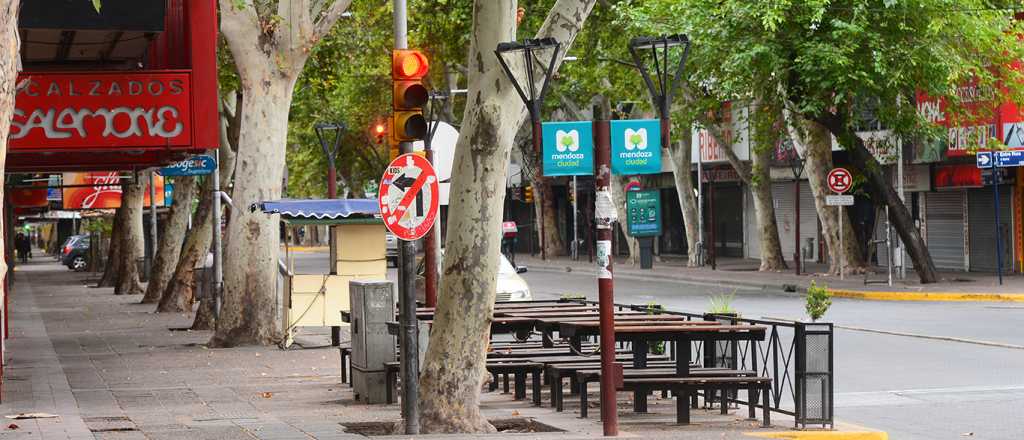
<point>997,160</point>
<point>643,210</point>
<point>840,181</point>
<point>605,217</point>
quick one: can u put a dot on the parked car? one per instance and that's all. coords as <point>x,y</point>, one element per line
<point>511,286</point>
<point>75,253</point>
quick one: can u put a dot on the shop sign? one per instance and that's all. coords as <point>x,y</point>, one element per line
<point>643,209</point>
<point>636,146</point>
<point>733,127</point>
<point>70,111</point>
<point>957,176</point>
<point>915,178</point>
<point>102,190</point>
<point>720,175</point>
<point>568,148</point>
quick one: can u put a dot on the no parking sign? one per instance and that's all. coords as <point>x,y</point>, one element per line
<point>409,197</point>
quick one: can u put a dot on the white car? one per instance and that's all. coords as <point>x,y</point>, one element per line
<point>511,286</point>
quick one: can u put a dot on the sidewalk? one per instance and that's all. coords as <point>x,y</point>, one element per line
<point>109,368</point>
<point>743,273</point>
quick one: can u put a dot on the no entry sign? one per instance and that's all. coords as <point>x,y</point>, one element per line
<point>409,197</point>
<point>839,180</point>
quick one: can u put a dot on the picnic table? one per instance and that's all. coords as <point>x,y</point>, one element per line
<point>639,336</point>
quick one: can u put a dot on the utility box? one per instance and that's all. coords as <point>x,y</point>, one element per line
<point>372,306</point>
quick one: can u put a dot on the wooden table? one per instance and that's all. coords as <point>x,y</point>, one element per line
<point>640,336</point>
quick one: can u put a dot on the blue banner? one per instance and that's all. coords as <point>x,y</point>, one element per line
<point>636,146</point>
<point>193,166</point>
<point>568,148</point>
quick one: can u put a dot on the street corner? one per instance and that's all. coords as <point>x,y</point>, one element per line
<point>822,435</point>
<point>927,296</point>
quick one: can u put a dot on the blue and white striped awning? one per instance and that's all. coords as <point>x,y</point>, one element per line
<point>322,209</point>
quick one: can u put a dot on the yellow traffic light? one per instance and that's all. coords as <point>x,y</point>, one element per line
<point>528,194</point>
<point>409,95</point>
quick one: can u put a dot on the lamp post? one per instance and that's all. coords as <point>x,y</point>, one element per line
<point>531,96</point>
<point>662,86</point>
<point>331,146</point>
<point>433,239</point>
<point>796,165</point>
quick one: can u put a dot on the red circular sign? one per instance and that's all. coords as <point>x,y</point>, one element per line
<point>409,197</point>
<point>839,180</point>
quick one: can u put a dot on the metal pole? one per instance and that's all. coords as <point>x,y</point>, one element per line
<point>903,199</point>
<point>575,233</point>
<point>332,193</point>
<point>796,238</point>
<point>151,250</point>
<point>999,238</point>
<point>406,281</point>
<point>543,195</point>
<point>431,251</point>
<point>610,370</point>
<point>888,242</point>
<point>218,261</point>
<point>700,206</point>
<point>842,249</point>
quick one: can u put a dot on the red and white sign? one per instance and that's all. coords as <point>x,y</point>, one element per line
<point>69,111</point>
<point>409,197</point>
<point>839,180</point>
<point>104,192</point>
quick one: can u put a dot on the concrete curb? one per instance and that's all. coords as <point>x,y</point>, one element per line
<point>822,435</point>
<point>927,296</point>
<point>661,277</point>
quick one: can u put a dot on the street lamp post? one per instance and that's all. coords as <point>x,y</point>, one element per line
<point>532,97</point>
<point>433,239</point>
<point>330,147</point>
<point>662,86</point>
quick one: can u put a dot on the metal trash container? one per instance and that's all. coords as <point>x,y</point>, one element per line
<point>372,305</point>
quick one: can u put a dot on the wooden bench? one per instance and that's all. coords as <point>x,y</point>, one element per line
<point>682,387</point>
<point>585,376</point>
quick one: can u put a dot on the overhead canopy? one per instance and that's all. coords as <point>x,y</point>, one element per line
<point>323,211</point>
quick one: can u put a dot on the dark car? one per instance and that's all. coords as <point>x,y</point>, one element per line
<point>75,254</point>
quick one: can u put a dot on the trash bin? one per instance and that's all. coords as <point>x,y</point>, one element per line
<point>372,305</point>
<point>646,252</point>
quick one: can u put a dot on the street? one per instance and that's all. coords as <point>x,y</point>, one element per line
<point>919,387</point>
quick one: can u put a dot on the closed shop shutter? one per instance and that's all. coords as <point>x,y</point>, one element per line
<point>945,223</point>
<point>881,250</point>
<point>981,227</point>
<point>786,218</point>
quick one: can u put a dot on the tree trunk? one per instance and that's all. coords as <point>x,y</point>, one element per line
<point>132,244</point>
<point>112,271</point>
<point>815,141</point>
<point>249,313</point>
<point>681,171</point>
<point>881,190</point>
<point>9,56</point>
<point>171,239</point>
<point>454,368</point>
<point>768,230</point>
<point>619,199</point>
<point>543,193</point>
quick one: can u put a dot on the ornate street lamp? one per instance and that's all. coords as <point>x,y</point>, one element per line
<point>796,165</point>
<point>530,94</point>
<point>325,131</point>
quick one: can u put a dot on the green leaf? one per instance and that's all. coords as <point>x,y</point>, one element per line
<point>97,4</point>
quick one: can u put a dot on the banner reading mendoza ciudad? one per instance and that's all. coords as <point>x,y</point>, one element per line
<point>568,148</point>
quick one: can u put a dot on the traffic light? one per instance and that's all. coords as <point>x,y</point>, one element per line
<point>379,132</point>
<point>408,67</point>
<point>528,194</point>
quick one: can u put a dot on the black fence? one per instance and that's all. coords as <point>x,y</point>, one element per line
<point>797,356</point>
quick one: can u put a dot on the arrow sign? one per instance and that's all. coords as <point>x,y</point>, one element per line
<point>409,197</point>
<point>984,159</point>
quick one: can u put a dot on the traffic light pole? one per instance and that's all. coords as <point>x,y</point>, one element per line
<point>406,281</point>
<point>611,372</point>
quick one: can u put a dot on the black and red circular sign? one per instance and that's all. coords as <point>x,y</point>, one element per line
<point>409,197</point>
<point>839,180</point>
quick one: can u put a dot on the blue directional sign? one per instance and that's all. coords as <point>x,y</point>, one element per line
<point>194,166</point>
<point>1011,158</point>
<point>568,148</point>
<point>636,146</point>
<point>984,159</point>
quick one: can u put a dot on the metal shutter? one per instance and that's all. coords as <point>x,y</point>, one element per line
<point>945,223</point>
<point>981,227</point>
<point>785,216</point>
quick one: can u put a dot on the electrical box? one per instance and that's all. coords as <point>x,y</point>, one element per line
<point>372,306</point>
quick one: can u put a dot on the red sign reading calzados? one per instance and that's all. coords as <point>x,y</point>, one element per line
<point>62,111</point>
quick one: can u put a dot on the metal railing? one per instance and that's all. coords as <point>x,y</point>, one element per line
<point>797,356</point>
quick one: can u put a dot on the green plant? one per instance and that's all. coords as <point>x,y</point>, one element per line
<point>572,297</point>
<point>656,347</point>
<point>819,299</point>
<point>722,303</point>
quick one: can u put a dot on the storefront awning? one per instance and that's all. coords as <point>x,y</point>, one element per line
<point>322,211</point>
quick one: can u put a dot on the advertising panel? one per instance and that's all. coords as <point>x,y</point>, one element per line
<point>102,190</point>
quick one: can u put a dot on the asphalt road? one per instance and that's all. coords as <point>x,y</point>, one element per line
<point>915,388</point>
